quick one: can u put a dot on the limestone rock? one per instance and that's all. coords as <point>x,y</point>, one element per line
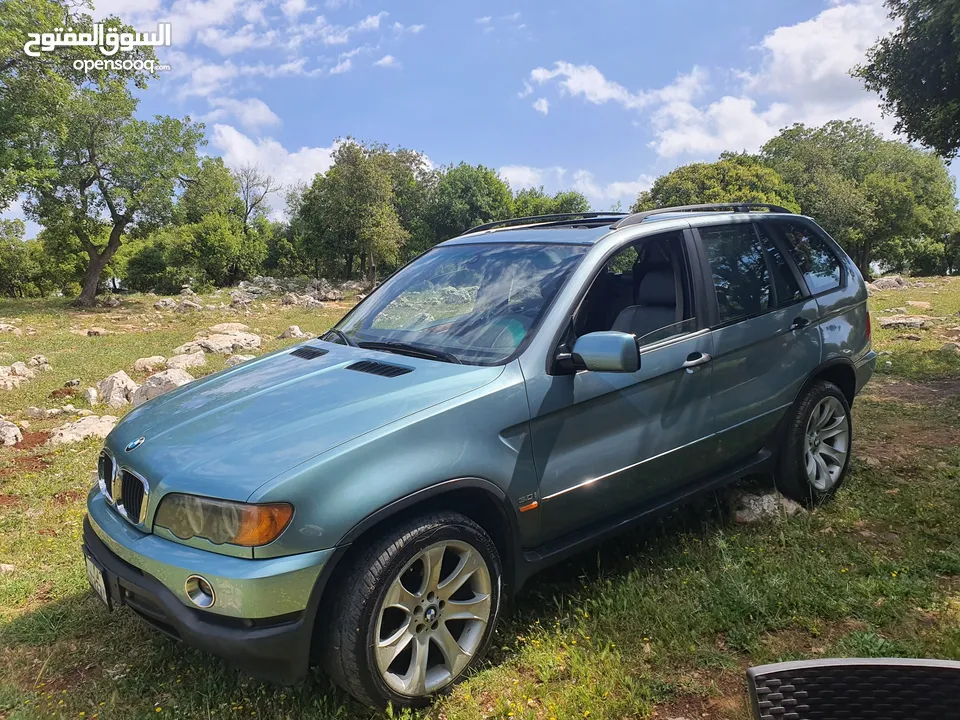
<point>40,363</point>
<point>919,304</point>
<point>905,321</point>
<point>4,327</point>
<point>161,383</point>
<point>93,397</point>
<point>165,304</point>
<point>97,332</point>
<point>224,343</point>
<point>892,282</point>
<point>229,327</point>
<point>149,364</point>
<point>189,360</point>
<point>237,359</point>
<point>187,306</point>
<point>294,331</point>
<point>90,426</point>
<point>751,508</point>
<point>951,347</point>
<point>9,433</point>
<point>117,389</point>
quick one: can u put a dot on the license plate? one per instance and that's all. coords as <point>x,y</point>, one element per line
<point>95,576</point>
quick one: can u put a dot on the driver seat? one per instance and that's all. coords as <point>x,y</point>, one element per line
<point>656,306</point>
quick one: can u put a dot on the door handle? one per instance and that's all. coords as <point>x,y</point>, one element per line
<point>695,360</point>
<point>799,323</point>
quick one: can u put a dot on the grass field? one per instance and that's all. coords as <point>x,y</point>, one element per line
<point>659,623</point>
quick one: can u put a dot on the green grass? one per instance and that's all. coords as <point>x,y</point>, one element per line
<point>662,620</point>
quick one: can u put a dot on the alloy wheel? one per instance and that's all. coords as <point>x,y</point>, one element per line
<point>827,443</point>
<point>432,619</point>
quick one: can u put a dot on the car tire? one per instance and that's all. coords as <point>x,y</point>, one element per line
<point>398,599</point>
<point>817,441</point>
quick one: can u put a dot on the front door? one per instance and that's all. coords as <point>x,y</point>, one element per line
<point>603,442</point>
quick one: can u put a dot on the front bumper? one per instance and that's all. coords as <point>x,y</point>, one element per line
<point>272,645</point>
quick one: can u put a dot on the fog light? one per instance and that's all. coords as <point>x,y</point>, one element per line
<point>199,591</point>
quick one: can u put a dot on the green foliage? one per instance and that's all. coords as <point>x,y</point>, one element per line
<point>916,69</point>
<point>733,178</point>
<point>869,193</point>
<point>534,201</point>
<point>466,196</point>
<point>213,189</point>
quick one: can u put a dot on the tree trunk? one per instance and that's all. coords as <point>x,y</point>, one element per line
<point>372,271</point>
<point>349,267</point>
<point>98,261</point>
<point>863,261</point>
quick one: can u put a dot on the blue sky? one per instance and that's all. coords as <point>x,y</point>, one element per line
<point>602,97</point>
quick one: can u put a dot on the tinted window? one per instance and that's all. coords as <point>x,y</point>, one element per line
<point>739,270</point>
<point>819,265</point>
<point>784,281</point>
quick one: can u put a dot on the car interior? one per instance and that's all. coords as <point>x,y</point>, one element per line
<point>642,289</point>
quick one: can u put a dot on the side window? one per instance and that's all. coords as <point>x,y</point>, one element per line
<point>816,261</point>
<point>644,289</point>
<point>739,270</point>
<point>784,281</point>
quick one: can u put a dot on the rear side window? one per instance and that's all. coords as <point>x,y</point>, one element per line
<point>739,271</point>
<point>820,267</point>
<point>784,280</point>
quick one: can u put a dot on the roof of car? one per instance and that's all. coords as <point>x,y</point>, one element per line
<point>580,230</point>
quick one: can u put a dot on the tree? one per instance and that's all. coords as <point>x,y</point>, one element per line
<point>14,258</point>
<point>733,178</point>
<point>530,202</point>
<point>255,186</point>
<point>213,189</point>
<point>111,174</point>
<point>36,93</point>
<point>871,194</point>
<point>916,70</point>
<point>466,196</point>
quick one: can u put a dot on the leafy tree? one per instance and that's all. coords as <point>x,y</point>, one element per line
<point>871,194</point>
<point>113,173</point>
<point>466,196</point>
<point>14,258</point>
<point>733,178</point>
<point>916,69</point>
<point>213,189</point>
<point>534,201</point>
<point>37,93</point>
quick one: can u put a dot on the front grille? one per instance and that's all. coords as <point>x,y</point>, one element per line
<point>133,497</point>
<point>105,472</point>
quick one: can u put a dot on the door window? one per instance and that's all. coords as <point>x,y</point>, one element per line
<point>739,270</point>
<point>820,267</point>
<point>784,281</point>
<point>643,289</point>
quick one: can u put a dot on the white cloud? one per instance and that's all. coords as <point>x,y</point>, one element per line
<point>400,28</point>
<point>511,18</point>
<point>293,8</point>
<point>589,82</point>
<point>252,113</point>
<point>372,22</point>
<point>485,20</point>
<point>292,67</point>
<point>524,176</point>
<point>341,67</point>
<point>288,168</point>
<point>542,105</point>
<point>625,191</point>
<point>527,90</point>
<point>206,78</point>
<point>388,61</point>
<point>329,34</point>
<point>229,42</point>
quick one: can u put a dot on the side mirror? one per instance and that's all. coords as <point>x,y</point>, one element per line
<point>607,352</point>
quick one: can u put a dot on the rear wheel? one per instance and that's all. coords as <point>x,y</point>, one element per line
<point>416,611</point>
<point>816,444</point>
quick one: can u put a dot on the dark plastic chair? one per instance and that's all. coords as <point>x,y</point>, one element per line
<point>856,689</point>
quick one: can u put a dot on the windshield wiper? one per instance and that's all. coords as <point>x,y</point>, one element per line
<point>340,334</point>
<point>413,350</point>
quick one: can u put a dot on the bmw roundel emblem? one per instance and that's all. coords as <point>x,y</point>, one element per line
<point>134,444</point>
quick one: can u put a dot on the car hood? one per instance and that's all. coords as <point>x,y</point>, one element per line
<point>229,433</point>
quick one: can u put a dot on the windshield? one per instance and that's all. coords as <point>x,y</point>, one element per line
<point>471,304</point>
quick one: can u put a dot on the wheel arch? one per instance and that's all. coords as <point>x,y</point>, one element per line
<point>476,498</point>
<point>840,371</point>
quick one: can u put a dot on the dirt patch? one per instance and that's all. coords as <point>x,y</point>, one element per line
<point>905,441</point>
<point>31,440</point>
<point>64,392</point>
<point>9,500</point>
<point>67,498</point>
<point>926,393</point>
<point>25,463</point>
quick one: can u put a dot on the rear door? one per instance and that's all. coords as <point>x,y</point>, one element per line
<point>765,334</point>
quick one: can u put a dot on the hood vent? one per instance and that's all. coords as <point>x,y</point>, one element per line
<point>374,367</point>
<point>308,352</point>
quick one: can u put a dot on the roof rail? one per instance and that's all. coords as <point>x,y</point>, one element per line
<point>537,219</point>
<point>639,217</point>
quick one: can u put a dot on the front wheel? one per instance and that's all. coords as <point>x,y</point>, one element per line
<point>816,445</point>
<point>416,611</point>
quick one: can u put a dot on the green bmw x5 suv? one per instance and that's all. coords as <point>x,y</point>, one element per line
<point>367,500</point>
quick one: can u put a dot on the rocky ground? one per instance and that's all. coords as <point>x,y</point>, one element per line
<point>660,623</point>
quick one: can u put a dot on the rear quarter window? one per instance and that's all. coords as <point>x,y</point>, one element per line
<point>820,267</point>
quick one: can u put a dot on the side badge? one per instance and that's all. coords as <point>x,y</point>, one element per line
<point>134,444</point>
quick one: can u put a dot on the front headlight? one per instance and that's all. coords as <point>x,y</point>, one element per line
<point>223,521</point>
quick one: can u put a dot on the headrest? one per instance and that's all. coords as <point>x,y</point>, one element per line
<point>657,288</point>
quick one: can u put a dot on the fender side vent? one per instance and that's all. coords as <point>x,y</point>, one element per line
<point>308,352</point>
<point>374,367</point>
